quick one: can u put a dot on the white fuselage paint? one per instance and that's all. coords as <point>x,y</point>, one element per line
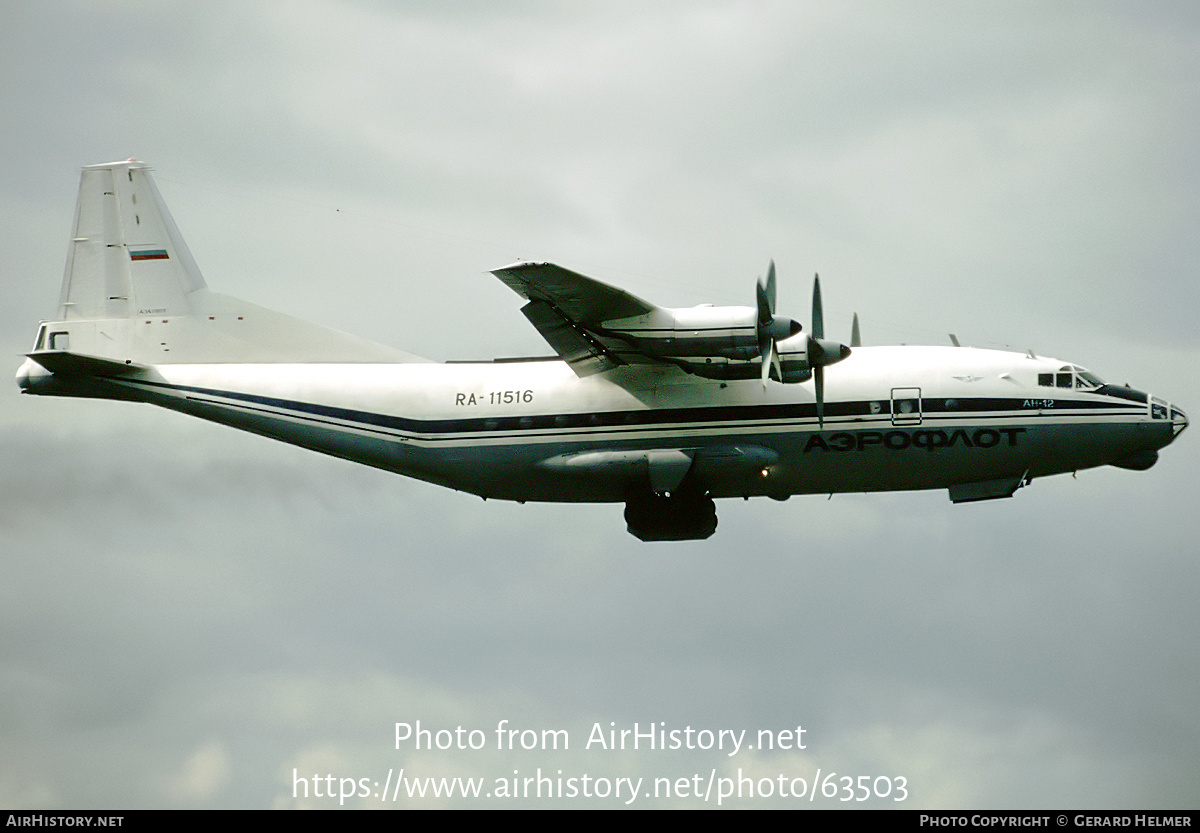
<point>895,418</point>
<point>662,409</point>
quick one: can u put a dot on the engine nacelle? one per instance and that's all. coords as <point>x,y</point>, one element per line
<point>724,343</point>
<point>704,331</point>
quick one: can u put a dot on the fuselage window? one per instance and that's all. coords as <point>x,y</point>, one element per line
<point>906,406</point>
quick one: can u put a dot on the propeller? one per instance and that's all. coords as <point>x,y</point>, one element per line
<point>771,328</point>
<point>822,352</point>
<point>774,328</point>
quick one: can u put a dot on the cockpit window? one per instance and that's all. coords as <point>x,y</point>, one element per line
<point>1070,376</point>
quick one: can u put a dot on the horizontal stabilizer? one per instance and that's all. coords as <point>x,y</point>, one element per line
<point>79,364</point>
<point>132,291</point>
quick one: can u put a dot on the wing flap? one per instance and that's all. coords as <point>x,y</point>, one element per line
<point>582,352</point>
<point>568,309</point>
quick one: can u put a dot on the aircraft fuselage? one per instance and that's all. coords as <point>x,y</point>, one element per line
<point>663,409</point>
<point>895,418</point>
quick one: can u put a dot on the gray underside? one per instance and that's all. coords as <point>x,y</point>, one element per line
<point>724,465</point>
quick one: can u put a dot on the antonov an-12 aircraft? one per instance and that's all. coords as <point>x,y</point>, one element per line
<point>661,409</point>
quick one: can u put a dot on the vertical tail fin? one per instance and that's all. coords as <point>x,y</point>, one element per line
<point>132,294</point>
<point>126,255</point>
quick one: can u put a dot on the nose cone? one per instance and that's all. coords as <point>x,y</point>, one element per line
<point>825,352</point>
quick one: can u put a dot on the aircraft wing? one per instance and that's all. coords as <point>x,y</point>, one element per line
<point>566,308</point>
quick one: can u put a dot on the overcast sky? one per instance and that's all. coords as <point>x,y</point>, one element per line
<point>187,613</point>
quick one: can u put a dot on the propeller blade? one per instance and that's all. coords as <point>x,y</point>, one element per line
<point>855,338</point>
<point>818,318</point>
<point>819,385</point>
<point>766,298</point>
<point>767,353</point>
<point>771,286</point>
<point>816,355</point>
<point>771,328</point>
<point>822,352</point>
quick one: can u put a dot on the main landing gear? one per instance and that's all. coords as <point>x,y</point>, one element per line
<point>680,516</point>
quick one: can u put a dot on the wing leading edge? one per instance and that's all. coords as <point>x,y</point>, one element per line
<point>569,309</point>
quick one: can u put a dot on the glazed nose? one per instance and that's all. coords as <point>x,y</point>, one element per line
<point>1179,420</point>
